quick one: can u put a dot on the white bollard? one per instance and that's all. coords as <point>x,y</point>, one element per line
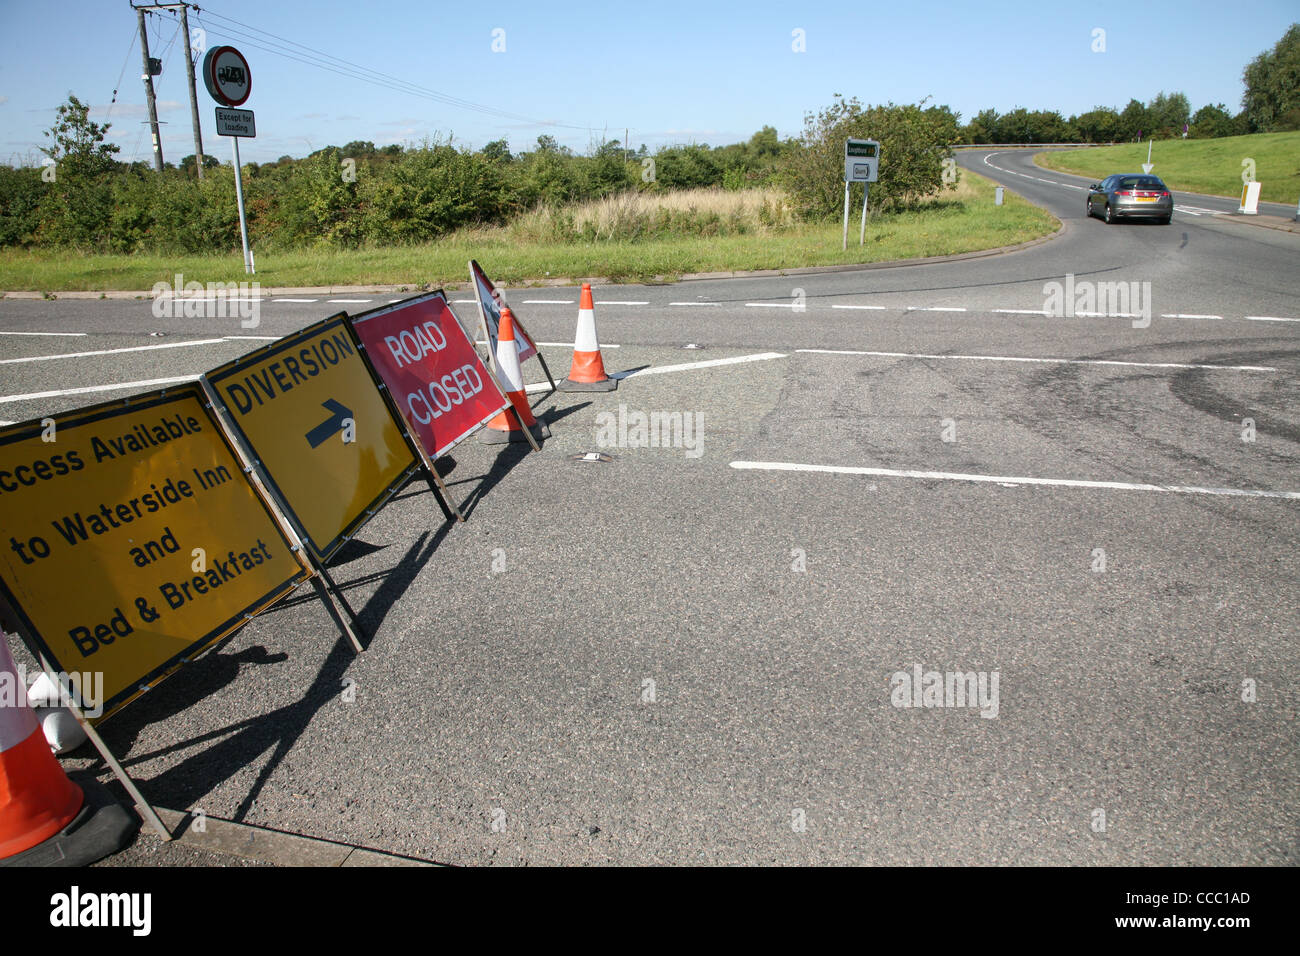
<point>1250,198</point>
<point>997,196</point>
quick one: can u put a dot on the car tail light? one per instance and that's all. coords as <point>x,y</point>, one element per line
<point>1124,192</point>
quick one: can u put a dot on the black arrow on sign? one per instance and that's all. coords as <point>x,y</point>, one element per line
<point>322,432</point>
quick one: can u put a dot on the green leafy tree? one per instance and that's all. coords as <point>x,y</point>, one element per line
<point>1167,114</point>
<point>1272,98</point>
<point>914,141</point>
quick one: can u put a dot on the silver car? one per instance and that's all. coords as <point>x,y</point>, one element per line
<point>1131,196</point>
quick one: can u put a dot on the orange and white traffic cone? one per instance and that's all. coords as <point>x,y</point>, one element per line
<point>587,374</point>
<point>45,819</point>
<point>506,427</point>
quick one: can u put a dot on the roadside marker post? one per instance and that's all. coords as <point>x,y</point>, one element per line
<point>1250,198</point>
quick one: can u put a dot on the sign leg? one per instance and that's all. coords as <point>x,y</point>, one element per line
<point>445,500</point>
<point>317,582</point>
<point>862,232</point>
<point>239,199</point>
<point>844,245</point>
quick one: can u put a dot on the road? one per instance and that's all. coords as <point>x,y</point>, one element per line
<point>696,658</point>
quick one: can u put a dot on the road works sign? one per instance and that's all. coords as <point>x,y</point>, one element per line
<point>134,540</point>
<point>437,380</point>
<point>861,160</point>
<point>490,302</point>
<point>309,412</point>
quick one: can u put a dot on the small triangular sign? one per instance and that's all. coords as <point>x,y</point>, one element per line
<point>1147,167</point>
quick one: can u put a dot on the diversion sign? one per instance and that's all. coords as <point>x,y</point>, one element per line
<point>133,540</point>
<point>308,410</point>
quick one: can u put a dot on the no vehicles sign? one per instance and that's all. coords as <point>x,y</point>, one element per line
<point>441,387</point>
<point>309,411</point>
<point>133,540</point>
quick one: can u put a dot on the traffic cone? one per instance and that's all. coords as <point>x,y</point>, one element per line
<point>587,374</point>
<point>506,426</point>
<point>45,818</point>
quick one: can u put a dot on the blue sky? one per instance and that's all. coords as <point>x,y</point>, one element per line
<point>671,72</point>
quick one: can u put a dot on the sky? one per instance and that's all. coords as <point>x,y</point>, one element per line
<point>584,72</point>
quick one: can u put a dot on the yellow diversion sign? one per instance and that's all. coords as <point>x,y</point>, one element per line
<point>309,411</point>
<point>133,540</point>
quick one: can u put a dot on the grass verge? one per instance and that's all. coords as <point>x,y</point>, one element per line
<point>963,220</point>
<point>1210,166</point>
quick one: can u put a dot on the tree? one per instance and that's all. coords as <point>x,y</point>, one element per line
<point>77,144</point>
<point>1099,125</point>
<point>209,162</point>
<point>498,149</point>
<point>1134,121</point>
<point>1212,120</point>
<point>1167,113</point>
<point>1273,85</point>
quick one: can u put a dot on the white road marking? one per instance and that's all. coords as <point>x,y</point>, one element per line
<point>67,334</point>
<point>1187,315</point>
<point>1108,315</point>
<point>293,300</point>
<point>548,302</point>
<point>259,338</point>
<point>933,308</point>
<point>1269,318</point>
<point>1044,361</point>
<point>1023,311</point>
<point>683,367</point>
<point>1010,481</point>
<point>347,301</point>
<point>147,383</point>
<point>464,301</point>
<point>137,348</point>
<point>559,345</point>
<point>880,308</point>
<point>695,303</point>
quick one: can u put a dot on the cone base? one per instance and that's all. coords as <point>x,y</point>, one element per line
<point>493,436</point>
<point>606,385</point>
<point>102,827</point>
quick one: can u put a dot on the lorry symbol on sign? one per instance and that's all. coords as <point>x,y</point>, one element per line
<point>231,74</point>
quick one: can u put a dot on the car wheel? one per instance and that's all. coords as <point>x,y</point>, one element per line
<point>1110,216</point>
<point>1089,209</point>
<point>1166,221</point>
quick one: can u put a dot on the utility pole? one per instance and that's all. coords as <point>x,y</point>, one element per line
<point>148,92</point>
<point>194,97</point>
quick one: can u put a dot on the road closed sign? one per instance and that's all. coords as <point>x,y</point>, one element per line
<point>431,369</point>
<point>133,540</point>
<point>309,412</point>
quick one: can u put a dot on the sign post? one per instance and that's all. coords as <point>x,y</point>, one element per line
<point>230,81</point>
<point>861,165</point>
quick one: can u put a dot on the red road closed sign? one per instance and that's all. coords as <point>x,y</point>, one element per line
<point>431,369</point>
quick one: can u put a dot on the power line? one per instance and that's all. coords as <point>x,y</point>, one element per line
<point>325,61</point>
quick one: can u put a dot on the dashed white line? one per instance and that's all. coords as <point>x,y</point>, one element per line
<point>934,308</point>
<point>1010,480</point>
<point>683,367</point>
<point>1022,311</point>
<point>696,303</point>
<point>1269,318</point>
<point>1042,361</point>
<point>67,334</point>
<point>464,301</point>
<point>878,308</point>
<point>559,345</point>
<point>86,390</point>
<point>1187,315</point>
<point>137,348</point>
<point>259,338</point>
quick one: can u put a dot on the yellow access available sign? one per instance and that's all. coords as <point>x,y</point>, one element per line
<point>133,539</point>
<point>309,411</point>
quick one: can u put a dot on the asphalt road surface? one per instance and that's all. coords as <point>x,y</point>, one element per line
<point>703,653</point>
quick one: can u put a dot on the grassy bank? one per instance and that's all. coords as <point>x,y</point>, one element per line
<point>622,239</point>
<point>1211,166</point>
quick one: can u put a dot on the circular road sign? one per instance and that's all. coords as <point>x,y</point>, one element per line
<point>227,76</point>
